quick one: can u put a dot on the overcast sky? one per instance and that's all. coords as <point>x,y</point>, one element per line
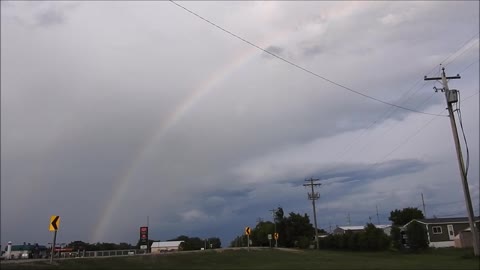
<point>115,111</point>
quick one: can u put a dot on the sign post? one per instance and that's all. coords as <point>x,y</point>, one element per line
<point>275,235</point>
<point>54,225</point>
<point>270,239</point>
<point>144,238</point>
<point>248,231</point>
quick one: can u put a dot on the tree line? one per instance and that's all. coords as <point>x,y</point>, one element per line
<point>295,230</point>
<point>190,243</point>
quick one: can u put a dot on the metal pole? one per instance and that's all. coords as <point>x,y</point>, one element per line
<point>248,242</point>
<point>53,246</point>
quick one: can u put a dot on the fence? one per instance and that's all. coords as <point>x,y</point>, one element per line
<point>100,253</point>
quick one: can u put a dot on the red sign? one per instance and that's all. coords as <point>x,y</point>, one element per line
<point>143,235</point>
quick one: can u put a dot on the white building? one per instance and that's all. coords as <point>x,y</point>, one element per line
<point>343,229</point>
<point>166,246</point>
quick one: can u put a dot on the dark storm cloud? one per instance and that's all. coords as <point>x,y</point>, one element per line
<point>363,172</point>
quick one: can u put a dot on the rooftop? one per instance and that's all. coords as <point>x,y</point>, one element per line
<point>446,220</point>
<point>166,244</point>
<point>358,228</point>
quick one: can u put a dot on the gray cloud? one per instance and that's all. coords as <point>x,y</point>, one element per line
<point>123,119</point>
<point>50,17</point>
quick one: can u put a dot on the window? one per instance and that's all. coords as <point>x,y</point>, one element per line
<point>437,230</point>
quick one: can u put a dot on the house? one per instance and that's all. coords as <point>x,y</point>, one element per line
<point>166,246</point>
<point>442,231</point>
<point>355,229</point>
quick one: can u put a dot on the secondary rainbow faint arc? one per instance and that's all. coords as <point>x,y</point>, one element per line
<point>205,87</point>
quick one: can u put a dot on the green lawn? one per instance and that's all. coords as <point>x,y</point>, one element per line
<point>272,259</point>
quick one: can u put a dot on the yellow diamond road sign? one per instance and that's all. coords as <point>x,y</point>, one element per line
<point>248,231</point>
<point>54,223</point>
<point>275,235</point>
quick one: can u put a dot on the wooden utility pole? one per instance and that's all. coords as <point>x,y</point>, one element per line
<point>423,204</point>
<point>313,196</point>
<point>451,97</point>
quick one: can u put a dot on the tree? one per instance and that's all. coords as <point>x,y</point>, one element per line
<point>402,217</point>
<point>78,245</point>
<point>417,237</point>
<point>214,242</point>
<point>396,238</point>
<point>239,241</point>
<point>260,233</point>
<point>294,230</point>
<point>376,238</point>
<point>193,243</point>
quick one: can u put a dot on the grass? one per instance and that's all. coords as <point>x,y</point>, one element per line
<point>272,259</point>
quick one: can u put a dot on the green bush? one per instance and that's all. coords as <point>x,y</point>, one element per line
<point>303,242</point>
<point>396,238</point>
<point>353,241</point>
<point>372,239</point>
<point>417,238</point>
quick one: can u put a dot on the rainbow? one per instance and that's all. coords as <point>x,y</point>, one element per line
<point>215,79</point>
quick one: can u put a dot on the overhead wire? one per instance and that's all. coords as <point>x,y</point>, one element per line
<point>405,141</point>
<point>461,46</point>
<point>396,106</point>
<point>459,114</point>
<point>297,65</point>
<point>433,93</point>
<point>464,51</point>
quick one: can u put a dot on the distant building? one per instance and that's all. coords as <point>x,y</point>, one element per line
<point>443,232</point>
<point>344,229</point>
<point>356,229</point>
<point>27,251</point>
<point>166,246</point>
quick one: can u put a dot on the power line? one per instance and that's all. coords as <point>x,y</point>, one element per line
<point>298,66</point>
<point>409,138</point>
<point>466,50</point>
<point>387,114</point>
<point>459,48</point>
<point>470,65</point>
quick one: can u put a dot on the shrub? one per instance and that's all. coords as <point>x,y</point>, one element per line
<point>417,238</point>
<point>396,238</point>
